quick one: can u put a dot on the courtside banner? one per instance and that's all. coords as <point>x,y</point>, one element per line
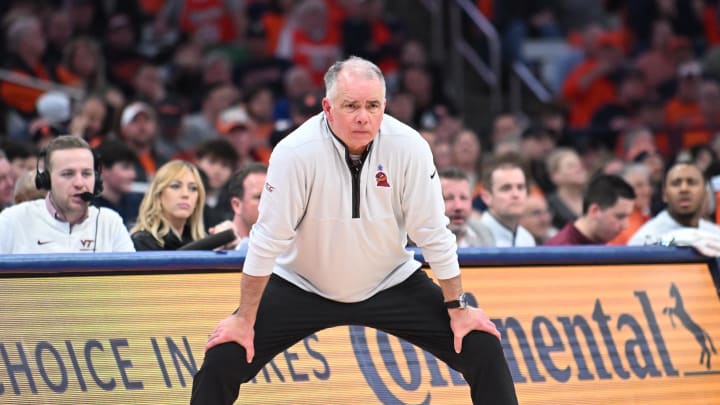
<point>590,334</point>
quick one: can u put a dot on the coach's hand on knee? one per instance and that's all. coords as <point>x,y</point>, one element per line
<point>234,329</point>
<point>464,321</point>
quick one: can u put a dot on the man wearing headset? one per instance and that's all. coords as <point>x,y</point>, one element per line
<point>64,221</point>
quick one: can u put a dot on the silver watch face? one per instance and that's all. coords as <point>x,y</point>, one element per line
<point>463,298</point>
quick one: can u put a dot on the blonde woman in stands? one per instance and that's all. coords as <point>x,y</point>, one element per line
<point>171,213</point>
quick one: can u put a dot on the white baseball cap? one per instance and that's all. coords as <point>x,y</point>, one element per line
<point>232,118</point>
<point>133,109</point>
<point>54,106</point>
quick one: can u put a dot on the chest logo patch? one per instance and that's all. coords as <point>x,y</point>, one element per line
<point>381,178</point>
<point>86,244</point>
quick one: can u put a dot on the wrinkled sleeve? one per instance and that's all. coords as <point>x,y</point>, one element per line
<point>282,206</point>
<point>424,211</point>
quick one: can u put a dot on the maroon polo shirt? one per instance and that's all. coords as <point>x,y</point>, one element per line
<point>569,235</point>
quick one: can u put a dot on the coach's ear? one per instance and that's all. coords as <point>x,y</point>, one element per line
<point>327,109</point>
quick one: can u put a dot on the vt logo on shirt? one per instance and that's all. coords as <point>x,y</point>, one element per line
<point>86,243</point>
<point>381,178</point>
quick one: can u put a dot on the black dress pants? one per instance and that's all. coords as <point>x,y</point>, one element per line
<point>412,310</point>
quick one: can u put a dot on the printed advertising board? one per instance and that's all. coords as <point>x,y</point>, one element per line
<point>610,334</point>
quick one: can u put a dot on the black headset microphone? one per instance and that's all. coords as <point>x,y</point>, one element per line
<point>86,196</point>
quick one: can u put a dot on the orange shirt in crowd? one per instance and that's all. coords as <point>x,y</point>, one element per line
<point>273,24</point>
<point>261,140</point>
<point>635,221</point>
<point>692,137</point>
<point>151,7</point>
<point>662,142</point>
<point>583,102</point>
<point>208,18</point>
<point>22,98</point>
<point>66,77</point>
<point>711,25</point>
<point>679,113</point>
<point>487,8</point>
<point>147,162</point>
<point>316,55</point>
<point>381,36</point>
<point>698,131</point>
<point>262,154</point>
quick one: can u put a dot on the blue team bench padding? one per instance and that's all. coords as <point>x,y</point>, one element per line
<point>178,261</point>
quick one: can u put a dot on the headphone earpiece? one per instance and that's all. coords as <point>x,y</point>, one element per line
<point>42,178</point>
<point>98,186</point>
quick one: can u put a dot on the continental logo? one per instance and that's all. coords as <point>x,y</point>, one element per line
<point>625,345</point>
<point>707,347</point>
<point>591,341</point>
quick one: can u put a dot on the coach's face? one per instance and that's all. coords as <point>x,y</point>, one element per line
<point>356,109</point>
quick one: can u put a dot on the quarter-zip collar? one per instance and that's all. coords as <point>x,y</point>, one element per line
<point>342,147</point>
<point>355,167</point>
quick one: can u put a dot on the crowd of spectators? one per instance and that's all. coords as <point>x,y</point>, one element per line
<point>634,93</point>
<point>219,83</point>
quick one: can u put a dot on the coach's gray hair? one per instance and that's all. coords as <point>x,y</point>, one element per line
<point>363,66</point>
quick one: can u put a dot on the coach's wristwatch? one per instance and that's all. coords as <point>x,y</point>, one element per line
<point>460,303</point>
